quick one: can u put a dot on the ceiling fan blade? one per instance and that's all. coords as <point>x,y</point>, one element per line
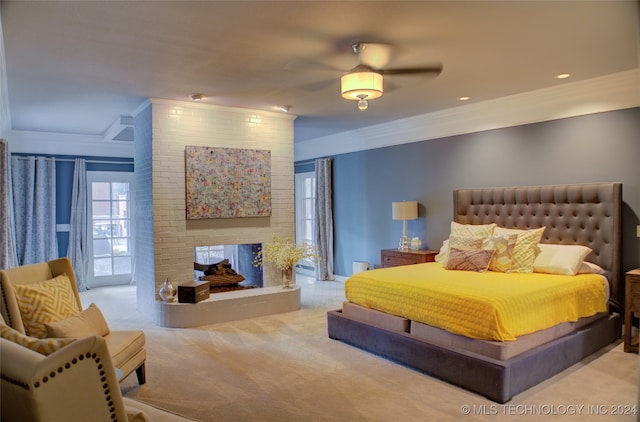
<point>318,86</point>
<point>374,55</point>
<point>432,70</point>
<point>304,64</point>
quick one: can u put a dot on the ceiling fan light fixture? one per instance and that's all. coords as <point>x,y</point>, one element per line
<point>355,84</point>
<point>363,104</point>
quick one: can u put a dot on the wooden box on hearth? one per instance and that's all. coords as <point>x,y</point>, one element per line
<point>193,292</point>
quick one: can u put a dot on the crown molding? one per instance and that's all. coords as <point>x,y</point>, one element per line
<point>66,144</point>
<point>206,106</point>
<point>607,93</point>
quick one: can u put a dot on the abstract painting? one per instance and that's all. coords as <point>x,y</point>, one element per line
<point>227,182</point>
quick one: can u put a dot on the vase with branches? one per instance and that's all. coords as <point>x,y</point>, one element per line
<point>284,254</point>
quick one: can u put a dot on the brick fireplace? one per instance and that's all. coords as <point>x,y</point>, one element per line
<point>165,239</point>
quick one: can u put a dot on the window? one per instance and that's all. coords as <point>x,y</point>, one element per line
<point>110,225</point>
<point>209,254</point>
<point>305,190</point>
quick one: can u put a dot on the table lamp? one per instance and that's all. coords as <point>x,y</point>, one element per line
<point>406,210</point>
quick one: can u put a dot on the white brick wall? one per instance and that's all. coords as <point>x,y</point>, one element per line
<point>175,125</point>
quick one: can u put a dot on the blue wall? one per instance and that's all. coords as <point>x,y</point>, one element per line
<point>602,147</point>
<point>64,184</point>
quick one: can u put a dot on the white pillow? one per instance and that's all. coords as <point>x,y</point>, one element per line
<point>441,257</point>
<point>559,259</point>
<point>590,268</point>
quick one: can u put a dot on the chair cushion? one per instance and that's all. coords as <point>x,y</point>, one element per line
<point>136,415</point>
<point>42,346</point>
<point>156,414</point>
<point>45,302</point>
<point>124,344</point>
<point>89,322</point>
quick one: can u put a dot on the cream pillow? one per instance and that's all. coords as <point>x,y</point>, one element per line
<point>470,230</point>
<point>460,231</point>
<point>43,346</point>
<point>460,242</point>
<point>525,249</point>
<point>45,302</point>
<point>89,322</point>
<point>560,259</point>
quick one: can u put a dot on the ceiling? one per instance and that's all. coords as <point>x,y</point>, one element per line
<point>76,67</point>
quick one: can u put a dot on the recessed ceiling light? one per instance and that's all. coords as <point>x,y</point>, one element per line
<point>563,76</point>
<point>464,98</point>
<point>197,97</point>
<point>285,108</point>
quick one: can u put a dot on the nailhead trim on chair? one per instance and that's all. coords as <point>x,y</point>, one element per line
<point>103,379</point>
<point>6,308</point>
<point>15,382</point>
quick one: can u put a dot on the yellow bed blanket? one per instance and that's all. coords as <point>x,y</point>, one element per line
<point>488,305</point>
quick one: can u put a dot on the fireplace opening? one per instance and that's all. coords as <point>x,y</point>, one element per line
<point>228,267</point>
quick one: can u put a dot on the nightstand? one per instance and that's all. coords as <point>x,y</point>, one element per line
<point>631,305</point>
<point>394,257</point>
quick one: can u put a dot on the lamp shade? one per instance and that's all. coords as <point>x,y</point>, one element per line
<point>406,210</point>
<point>356,84</point>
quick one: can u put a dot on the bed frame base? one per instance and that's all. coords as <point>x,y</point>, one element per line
<point>498,380</point>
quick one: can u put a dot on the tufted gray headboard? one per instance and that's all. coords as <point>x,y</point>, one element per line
<point>585,214</point>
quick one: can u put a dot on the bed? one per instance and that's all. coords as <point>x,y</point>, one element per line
<point>584,214</point>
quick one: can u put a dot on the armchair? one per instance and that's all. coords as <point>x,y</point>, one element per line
<point>78,382</point>
<point>127,347</point>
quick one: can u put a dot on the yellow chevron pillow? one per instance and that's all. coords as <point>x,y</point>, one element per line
<point>525,249</point>
<point>503,248</point>
<point>47,301</point>
<point>43,346</point>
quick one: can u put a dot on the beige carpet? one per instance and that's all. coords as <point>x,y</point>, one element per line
<point>285,368</point>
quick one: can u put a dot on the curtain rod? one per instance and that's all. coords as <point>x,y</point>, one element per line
<point>312,160</point>
<point>23,157</point>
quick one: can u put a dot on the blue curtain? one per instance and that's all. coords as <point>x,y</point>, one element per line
<point>7,234</point>
<point>324,220</point>
<point>78,231</point>
<point>34,201</point>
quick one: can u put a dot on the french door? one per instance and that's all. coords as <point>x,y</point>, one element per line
<point>305,197</point>
<point>110,212</point>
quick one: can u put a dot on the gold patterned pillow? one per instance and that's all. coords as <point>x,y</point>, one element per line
<point>503,248</point>
<point>469,260</point>
<point>44,302</point>
<point>43,346</point>
<point>525,249</point>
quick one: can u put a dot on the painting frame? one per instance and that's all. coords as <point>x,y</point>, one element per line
<point>227,182</point>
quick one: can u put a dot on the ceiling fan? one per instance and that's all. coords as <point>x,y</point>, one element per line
<point>365,81</point>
